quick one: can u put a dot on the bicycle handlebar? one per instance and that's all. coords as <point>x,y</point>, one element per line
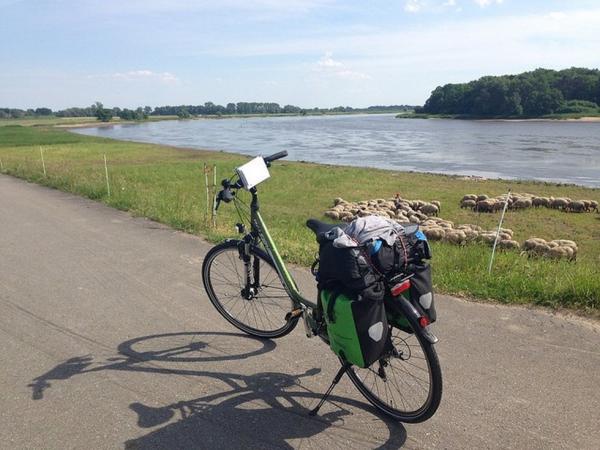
<point>228,192</point>
<point>274,156</point>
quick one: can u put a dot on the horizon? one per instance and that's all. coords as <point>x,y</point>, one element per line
<point>307,53</point>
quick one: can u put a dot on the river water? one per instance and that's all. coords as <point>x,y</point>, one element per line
<point>567,152</point>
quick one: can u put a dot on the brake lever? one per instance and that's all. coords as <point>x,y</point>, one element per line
<point>225,195</point>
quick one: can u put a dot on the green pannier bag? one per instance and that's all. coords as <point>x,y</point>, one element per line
<point>358,329</point>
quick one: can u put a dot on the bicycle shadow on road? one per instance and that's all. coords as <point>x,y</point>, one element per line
<point>260,410</point>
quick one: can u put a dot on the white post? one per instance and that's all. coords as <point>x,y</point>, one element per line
<point>43,163</point>
<point>106,173</point>
<point>214,208</point>
<point>498,233</point>
<point>206,186</point>
<point>1,165</point>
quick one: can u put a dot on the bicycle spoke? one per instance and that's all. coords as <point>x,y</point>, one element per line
<point>263,310</point>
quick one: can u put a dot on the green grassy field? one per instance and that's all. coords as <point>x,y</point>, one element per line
<point>167,185</point>
<point>70,121</point>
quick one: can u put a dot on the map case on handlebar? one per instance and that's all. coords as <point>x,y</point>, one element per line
<point>253,172</point>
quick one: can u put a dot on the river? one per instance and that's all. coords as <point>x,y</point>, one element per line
<point>556,151</point>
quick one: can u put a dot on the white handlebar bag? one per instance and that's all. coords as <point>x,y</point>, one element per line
<point>253,172</point>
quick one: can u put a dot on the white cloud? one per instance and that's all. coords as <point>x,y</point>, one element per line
<point>430,6</point>
<point>139,75</point>
<point>484,3</point>
<point>410,62</point>
<point>261,9</point>
<point>413,6</point>
<point>327,62</point>
<point>330,67</point>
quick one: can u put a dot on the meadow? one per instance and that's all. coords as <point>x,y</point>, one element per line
<point>167,185</point>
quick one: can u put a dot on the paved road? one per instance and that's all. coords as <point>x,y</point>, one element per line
<point>108,341</point>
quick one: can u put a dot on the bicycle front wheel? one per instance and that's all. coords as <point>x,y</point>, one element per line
<point>406,384</point>
<point>257,307</point>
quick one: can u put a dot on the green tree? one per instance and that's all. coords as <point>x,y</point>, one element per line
<point>102,114</point>
<point>183,113</point>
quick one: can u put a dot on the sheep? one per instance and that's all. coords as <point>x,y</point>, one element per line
<point>430,209</point>
<point>482,197</point>
<point>558,248</point>
<point>487,237</point>
<point>557,252</point>
<point>455,236</point>
<point>470,234</point>
<point>498,205</point>
<point>435,228</point>
<point>575,206</point>
<point>469,197</point>
<point>521,203</point>
<point>446,224</point>
<point>438,204</point>
<point>469,203</point>
<point>332,215</point>
<point>541,201</point>
<point>508,244</point>
<point>531,243</point>
<point>434,234</point>
<point>594,205</point>
<point>485,206</point>
<point>559,203</point>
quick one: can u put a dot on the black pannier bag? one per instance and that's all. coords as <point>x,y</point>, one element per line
<point>406,257</point>
<point>408,249</point>
<point>349,271</point>
<point>364,272</point>
<point>357,329</point>
<point>421,289</point>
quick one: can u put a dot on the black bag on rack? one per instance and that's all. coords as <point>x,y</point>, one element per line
<point>350,271</point>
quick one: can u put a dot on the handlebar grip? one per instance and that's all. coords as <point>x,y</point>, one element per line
<point>275,156</point>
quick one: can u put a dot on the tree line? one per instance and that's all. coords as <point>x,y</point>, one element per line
<point>529,94</point>
<point>185,111</point>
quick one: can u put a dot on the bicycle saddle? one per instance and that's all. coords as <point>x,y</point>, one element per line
<point>320,228</point>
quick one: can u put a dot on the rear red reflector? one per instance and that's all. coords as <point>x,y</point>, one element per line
<point>424,321</point>
<point>400,288</point>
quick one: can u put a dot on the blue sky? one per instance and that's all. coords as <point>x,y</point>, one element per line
<point>61,53</point>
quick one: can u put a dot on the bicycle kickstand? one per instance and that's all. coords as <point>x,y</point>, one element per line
<point>337,378</point>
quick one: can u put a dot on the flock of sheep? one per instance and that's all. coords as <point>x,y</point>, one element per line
<point>437,229</point>
<point>483,203</point>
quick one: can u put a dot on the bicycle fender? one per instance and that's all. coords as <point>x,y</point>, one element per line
<point>409,310</point>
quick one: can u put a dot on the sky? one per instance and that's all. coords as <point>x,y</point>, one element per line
<point>309,53</point>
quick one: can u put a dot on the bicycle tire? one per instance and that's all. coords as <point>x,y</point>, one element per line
<point>264,314</point>
<point>426,407</point>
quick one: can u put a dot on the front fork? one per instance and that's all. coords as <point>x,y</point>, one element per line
<point>251,269</point>
<point>252,286</point>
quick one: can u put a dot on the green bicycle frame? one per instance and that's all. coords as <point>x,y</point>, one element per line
<point>260,230</point>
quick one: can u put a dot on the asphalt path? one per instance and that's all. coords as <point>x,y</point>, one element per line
<point>109,341</point>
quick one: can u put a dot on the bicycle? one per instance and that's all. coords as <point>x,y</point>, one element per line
<point>248,283</point>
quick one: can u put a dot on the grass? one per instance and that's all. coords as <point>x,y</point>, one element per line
<point>167,185</point>
<point>46,121</point>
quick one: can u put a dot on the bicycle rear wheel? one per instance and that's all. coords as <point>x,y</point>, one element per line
<point>258,309</point>
<point>407,383</point>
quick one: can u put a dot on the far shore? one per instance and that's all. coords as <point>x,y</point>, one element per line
<point>548,119</point>
<point>88,122</point>
<point>586,119</point>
